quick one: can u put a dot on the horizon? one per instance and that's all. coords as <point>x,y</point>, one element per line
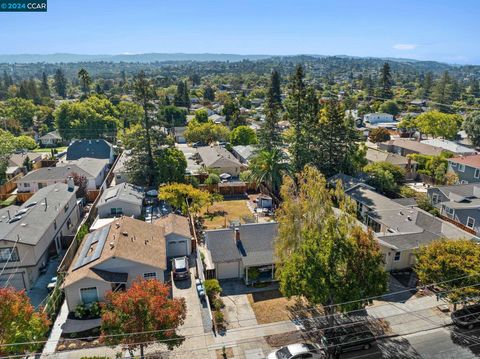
<point>406,30</point>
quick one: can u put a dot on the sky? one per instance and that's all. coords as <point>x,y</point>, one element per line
<point>441,30</point>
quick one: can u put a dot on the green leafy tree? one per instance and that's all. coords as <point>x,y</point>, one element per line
<point>182,98</point>
<point>323,255</point>
<point>60,83</point>
<point>21,111</point>
<point>171,165</point>
<point>205,133</point>
<point>453,261</point>
<point>438,124</point>
<point>472,128</point>
<point>22,329</point>
<point>201,115</point>
<point>243,135</point>
<point>269,168</point>
<point>129,113</point>
<point>186,197</point>
<point>379,134</point>
<point>390,107</point>
<point>231,111</point>
<point>173,116</point>
<point>212,179</point>
<point>385,176</point>
<point>209,94</point>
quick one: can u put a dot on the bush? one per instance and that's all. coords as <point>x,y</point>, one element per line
<point>379,134</point>
<point>217,303</point>
<point>253,273</point>
<point>408,192</point>
<point>95,309</point>
<point>82,232</point>
<point>80,311</point>
<point>218,316</point>
<point>212,179</point>
<point>212,287</point>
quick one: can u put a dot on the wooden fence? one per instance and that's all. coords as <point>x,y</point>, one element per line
<point>459,225</point>
<point>9,186</point>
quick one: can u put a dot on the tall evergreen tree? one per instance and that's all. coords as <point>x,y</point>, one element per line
<point>296,109</point>
<point>186,95</point>
<point>85,81</point>
<point>44,87</point>
<point>209,93</point>
<point>386,82</point>
<point>182,98</point>
<point>270,137</point>
<point>275,88</point>
<point>441,93</point>
<point>427,85</point>
<point>60,83</point>
<point>144,94</point>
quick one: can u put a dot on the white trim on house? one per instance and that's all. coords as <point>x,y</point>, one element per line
<point>80,293</point>
<point>473,222</point>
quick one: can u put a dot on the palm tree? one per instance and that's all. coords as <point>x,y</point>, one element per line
<point>85,81</point>
<point>269,167</point>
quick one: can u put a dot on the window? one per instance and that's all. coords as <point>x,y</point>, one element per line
<point>461,167</point>
<point>470,222</point>
<point>116,211</point>
<point>435,198</point>
<point>66,208</point>
<point>453,164</point>
<point>55,225</point>
<point>26,184</point>
<point>89,295</point>
<point>69,223</point>
<point>397,256</point>
<point>150,275</point>
<point>477,173</point>
<point>449,211</point>
<point>463,182</point>
<point>119,176</point>
<point>8,255</point>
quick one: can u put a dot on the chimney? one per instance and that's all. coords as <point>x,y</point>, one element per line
<point>71,184</point>
<point>237,235</point>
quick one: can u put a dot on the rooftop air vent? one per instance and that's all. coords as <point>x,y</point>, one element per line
<point>125,233</point>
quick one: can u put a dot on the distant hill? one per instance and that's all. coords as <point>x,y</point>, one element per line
<point>142,58</point>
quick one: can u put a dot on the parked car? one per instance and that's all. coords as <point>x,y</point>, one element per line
<point>349,337</point>
<point>200,288</point>
<point>180,268</point>
<point>297,351</point>
<point>467,317</point>
<point>51,285</point>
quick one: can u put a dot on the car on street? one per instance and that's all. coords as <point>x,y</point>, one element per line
<point>180,268</point>
<point>297,351</point>
<point>51,285</point>
<point>349,337</point>
<point>467,317</point>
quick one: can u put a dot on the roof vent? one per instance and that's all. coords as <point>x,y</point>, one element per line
<point>132,238</point>
<point>112,245</point>
<point>23,224</point>
<point>117,225</point>
<point>125,233</point>
<point>409,218</point>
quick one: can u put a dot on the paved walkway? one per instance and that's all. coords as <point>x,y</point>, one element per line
<point>56,330</point>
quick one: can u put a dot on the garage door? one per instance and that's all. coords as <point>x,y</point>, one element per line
<point>15,280</point>
<point>177,248</point>
<point>227,270</point>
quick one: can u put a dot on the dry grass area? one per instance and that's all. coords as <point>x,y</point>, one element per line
<point>270,306</point>
<point>228,353</point>
<point>219,214</point>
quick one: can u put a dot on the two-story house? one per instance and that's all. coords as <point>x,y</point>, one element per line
<point>30,233</point>
<point>467,168</point>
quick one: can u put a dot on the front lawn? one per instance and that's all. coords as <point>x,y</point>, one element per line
<point>270,306</point>
<point>221,213</point>
<point>49,150</point>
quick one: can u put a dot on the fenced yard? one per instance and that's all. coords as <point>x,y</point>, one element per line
<point>221,213</point>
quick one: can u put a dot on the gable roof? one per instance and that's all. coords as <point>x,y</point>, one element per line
<point>174,223</point>
<point>53,173</point>
<point>254,248</point>
<point>217,157</point>
<point>348,181</point>
<point>54,135</point>
<point>374,155</point>
<point>128,239</point>
<point>40,212</point>
<point>125,192</point>
<point>92,166</point>
<point>414,146</point>
<point>371,199</point>
<point>472,161</point>
<point>89,148</point>
<point>246,152</point>
<point>449,146</point>
<point>17,159</point>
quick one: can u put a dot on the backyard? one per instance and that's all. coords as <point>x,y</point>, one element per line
<point>221,213</point>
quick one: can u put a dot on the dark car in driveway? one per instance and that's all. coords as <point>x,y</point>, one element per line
<point>467,317</point>
<point>349,337</point>
<point>180,268</point>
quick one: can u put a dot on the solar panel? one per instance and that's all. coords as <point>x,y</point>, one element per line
<point>99,237</point>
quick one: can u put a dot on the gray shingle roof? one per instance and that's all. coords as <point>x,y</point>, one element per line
<point>371,199</point>
<point>125,192</point>
<point>53,173</point>
<point>255,247</point>
<point>217,157</point>
<point>89,148</point>
<point>246,152</point>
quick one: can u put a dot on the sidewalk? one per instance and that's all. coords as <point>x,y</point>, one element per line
<point>56,330</point>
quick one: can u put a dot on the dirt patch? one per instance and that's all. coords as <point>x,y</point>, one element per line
<point>228,353</point>
<point>221,213</point>
<point>271,306</point>
<point>280,340</point>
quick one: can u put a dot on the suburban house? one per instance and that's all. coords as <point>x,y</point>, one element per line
<point>93,171</point>
<point>400,229</point>
<point>243,153</point>
<point>467,168</point>
<point>459,204</point>
<point>191,155</point>
<point>374,156</point>
<point>16,162</point>
<point>347,181</point>
<point>119,171</point>
<point>405,146</point>
<point>51,139</point>
<point>31,233</point>
<point>219,158</point>
<point>378,120</point>
<point>242,252</point>
<point>179,134</point>
<point>450,146</point>
<point>112,257</point>
<point>218,119</point>
<point>122,199</point>
<point>178,237</point>
<point>99,149</point>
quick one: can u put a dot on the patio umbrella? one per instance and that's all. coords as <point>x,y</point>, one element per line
<point>225,176</point>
